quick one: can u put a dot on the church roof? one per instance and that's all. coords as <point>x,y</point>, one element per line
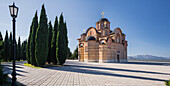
<point>103,19</point>
<point>90,38</point>
<point>92,27</point>
<point>83,34</point>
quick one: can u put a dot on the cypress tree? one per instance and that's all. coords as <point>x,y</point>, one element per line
<point>19,49</point>
<point>6,47</point>
<point>27,52</point>
<point>41,46</point>
<point>53,44</point>
<point>32,40</point>
<point>66,49</point>
<point>75,54</point>
<point>10,47</point>
<point>69,54</point>
<point>1,46</point>
<point>60,44</point>
<point>23,50</point>
<point>16,51</point>
<point>49,42</point>
<point>28,45</point>
<point>3,77</point>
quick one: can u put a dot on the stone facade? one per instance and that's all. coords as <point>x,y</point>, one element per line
<point>101,44</point>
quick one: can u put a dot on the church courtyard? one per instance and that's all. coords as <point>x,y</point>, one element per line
<point>76,73</point>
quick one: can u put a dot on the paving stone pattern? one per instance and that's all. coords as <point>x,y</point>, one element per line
<point>76,73</point>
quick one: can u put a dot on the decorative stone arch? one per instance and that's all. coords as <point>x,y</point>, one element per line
<point>109,41</point>
<point>118,29</point>
<point>118,39</point>
<point>118,35</point>
<point>91,32</point>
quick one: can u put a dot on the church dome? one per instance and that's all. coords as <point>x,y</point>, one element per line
<point>103,19</point>
<point>90,38</point>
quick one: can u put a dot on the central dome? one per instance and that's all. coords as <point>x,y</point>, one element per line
<point>103,19</point>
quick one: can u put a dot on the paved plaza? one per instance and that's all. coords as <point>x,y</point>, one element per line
<point>76,73</point>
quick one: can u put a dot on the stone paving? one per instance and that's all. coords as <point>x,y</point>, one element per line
<point>94,74</point>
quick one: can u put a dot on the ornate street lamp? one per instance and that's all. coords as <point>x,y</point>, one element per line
<point>14,12</point>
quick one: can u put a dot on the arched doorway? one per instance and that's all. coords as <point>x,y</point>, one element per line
<point>118,56</point>
<point>118,60</point>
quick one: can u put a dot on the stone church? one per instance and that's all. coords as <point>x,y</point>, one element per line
<point>100,44</point>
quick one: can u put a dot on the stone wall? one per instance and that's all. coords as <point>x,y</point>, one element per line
<point>92,51</point>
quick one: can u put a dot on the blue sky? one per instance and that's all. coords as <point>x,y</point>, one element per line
<point>146,23</point>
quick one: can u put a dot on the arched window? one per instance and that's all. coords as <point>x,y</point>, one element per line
<point>105,24</point>
<point>118,40</point>
<point>105,32</point>
<point>92,33</point>
<point>102,32</point>
<point>109,43</point>
<point>102,25</point>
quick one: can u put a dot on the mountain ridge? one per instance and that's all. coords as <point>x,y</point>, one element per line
<point>147,57</point>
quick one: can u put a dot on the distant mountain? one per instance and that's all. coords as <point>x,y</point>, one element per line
<point>148,57</point>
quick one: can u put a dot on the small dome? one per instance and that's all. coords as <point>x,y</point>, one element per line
<point>90,38</point>
<point>103,19</point>
<point>83,34</point>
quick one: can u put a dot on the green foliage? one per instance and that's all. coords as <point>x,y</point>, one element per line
<point>75,54</point>
<point>3,77</point>
<point>1,38</point>
<point>10,47</point>
<point>23,50</point>
<point>1,46</point>
<point>167,83</point>
<point>19,49</point>
<point>61,48</point>
<point>41,46</point>
<point>32,40</point>
<point>16,49</point>
<point>53,43</point>
<point>69,54</point>
<point>6,47</point>
<point>66,49</point>
<point>28,45</point>
<point>27,52</point>
<point>49,42</point>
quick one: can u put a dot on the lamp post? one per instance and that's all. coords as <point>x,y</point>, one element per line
<point>13,11</point>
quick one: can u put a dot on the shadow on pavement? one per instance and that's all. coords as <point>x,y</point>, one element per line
<point>80,69</point>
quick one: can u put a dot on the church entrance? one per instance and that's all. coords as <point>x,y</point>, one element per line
<point>118,56</point>
<point>118,60</point>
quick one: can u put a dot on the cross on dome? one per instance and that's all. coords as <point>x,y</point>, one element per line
<point>102,14</point>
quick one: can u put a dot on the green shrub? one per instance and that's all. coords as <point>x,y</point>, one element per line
<point>167,83</point>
